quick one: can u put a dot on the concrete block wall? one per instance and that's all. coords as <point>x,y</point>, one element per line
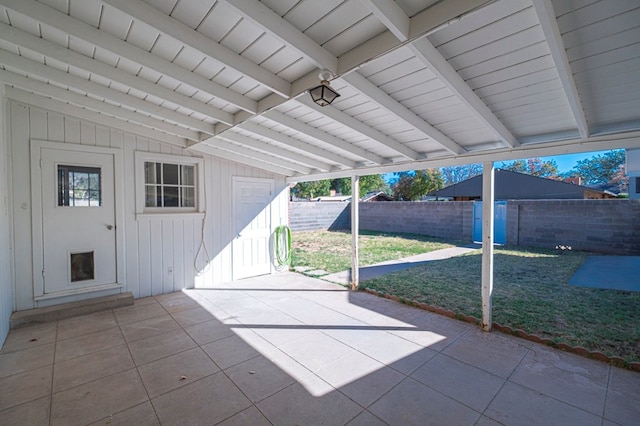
<point>449,220</point>
<point>311,216</point>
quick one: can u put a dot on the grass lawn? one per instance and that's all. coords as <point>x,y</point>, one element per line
<point>531,292</point>
<point>331,251</point>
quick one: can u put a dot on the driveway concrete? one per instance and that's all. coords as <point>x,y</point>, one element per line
<point>292,350</point>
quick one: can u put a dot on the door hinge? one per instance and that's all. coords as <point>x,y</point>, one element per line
<point>43,273</point>
<point>41,163</point>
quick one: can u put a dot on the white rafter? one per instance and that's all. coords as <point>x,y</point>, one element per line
<point>549,25</point>
<point>95,117</point>
<point>192,38</point>
<point>242,159</point>
<point>392,16</point>
<point>52,74</point>
<point>360,127</point>
<point>387,102</point>
<point>429,55</point>
<point>289,35</point>
<point>31,85</point>
<point>318,134</point>
<point>301,146</point>
<point>274,150</point>
<point>83,31</point>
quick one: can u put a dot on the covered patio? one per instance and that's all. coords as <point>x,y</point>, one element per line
<point>288,349</point>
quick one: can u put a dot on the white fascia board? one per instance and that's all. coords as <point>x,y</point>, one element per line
<point>69,25</point>
<point>192,38</point>
<point>95,117</point>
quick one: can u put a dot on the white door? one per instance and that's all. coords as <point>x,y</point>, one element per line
<point>78,220</point>
<point>251,226</point>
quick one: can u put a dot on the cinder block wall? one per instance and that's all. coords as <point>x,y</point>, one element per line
<point>601,226</point>
<point>311,216</point>
<point>437,219</point>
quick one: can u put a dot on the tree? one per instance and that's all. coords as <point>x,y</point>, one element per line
<point>369,183</point>
<point>311,189</point>
<point>412,186</point>
<point>455,174</point>
<point>600,168</point>
<point>534,167</point>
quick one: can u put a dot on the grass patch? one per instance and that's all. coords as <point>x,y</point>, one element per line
<point>531,292</point>
<point>331,251</point>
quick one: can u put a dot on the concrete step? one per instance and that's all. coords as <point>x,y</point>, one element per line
<point>71,309</point>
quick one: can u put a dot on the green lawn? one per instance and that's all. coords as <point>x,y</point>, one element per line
<point>531,292</point>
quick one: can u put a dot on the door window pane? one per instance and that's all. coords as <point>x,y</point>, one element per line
<point>79,186</point>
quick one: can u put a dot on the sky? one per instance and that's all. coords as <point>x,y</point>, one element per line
<point>568,161</point>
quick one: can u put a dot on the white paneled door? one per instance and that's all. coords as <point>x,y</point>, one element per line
<point>251,226</point>
<point>78,220</point>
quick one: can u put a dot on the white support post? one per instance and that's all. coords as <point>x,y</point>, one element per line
<point>487,242</point>
<point>355,225</point>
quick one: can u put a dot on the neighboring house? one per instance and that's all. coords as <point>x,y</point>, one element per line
<point>376,196</point>
<point>518,186</point>
<point>332,198</point>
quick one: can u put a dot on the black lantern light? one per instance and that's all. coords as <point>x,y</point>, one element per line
<point>323,94</point>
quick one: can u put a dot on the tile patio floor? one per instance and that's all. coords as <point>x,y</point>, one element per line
<point>292,350</point>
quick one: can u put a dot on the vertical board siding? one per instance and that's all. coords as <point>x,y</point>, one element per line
<point>6,285</point>
<point>160,253</point>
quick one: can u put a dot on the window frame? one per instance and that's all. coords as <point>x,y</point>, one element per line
<point>142,211</point>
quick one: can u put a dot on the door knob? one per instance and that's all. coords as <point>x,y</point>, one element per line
<point>109,227</point>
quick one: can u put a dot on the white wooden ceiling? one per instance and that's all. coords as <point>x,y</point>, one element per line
<point>423,83</point>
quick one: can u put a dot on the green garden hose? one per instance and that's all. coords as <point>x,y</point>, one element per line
<point>283,246</point>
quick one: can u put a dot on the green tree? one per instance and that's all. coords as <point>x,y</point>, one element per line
<point>369,183</point>
<point>312,189</point>
<point>412,186</point>
<point>534,167</point>
<point>600,168</point>
<point>455,174</point>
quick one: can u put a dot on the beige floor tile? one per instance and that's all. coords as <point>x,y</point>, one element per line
<point>26,359</point>
<point>177,370</point>
<point>174,303</point>
<point>139,312</point>
<point>412,403</point>
<point>160,346</point>
<point>209,331</point>
<point>21,388</point>
<point>30,336</point>
<point>207,401</point>
<point>464,383</point>
<point>516,405</point>
<point>88,343</point>
<point>259,378</point>
<point>192,316</point>
<point>85,324</point>
<point>33,413</point>
<point>366,419</point>
<point>98,399</point>
<point>316,350</point>
<point>623,398</point>
<point>595,371</point>
<point>251,416</point>
<point>76,371</point>
<point>149,327</point>
<point>230,351</point>
<point>140,415</point>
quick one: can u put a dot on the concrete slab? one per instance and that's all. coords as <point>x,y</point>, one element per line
<point>610,272</point>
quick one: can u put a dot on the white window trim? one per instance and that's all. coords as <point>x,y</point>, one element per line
<point>143,212</point>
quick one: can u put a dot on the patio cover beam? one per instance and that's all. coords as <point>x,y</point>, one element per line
<point>488,173</point>
<point>355,229</point>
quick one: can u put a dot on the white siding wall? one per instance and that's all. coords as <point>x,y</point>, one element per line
<point>159,251</point>
<point>6,284</point>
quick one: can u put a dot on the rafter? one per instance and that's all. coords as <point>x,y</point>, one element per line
<point>52,74</point>
<point>274,150</point>
<point>549,25</point>
<point>83,31</point>
<point>242,159</point>
<point>296,144</point>
<point>429,55</point>
<point>31,85</point>
<point>192,38</point>
<point>95,117</point>
<point>360,127</point>
<point>289,35</point>
<point>392,16</point>
<point>318,134</point>
<point>387,102</point>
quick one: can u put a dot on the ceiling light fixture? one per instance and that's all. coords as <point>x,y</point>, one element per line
<point>323,94</point>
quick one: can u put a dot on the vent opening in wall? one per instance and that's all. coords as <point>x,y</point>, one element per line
<point>82,266</point>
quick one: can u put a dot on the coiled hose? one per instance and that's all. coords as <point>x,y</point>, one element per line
<point>283,246</point>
